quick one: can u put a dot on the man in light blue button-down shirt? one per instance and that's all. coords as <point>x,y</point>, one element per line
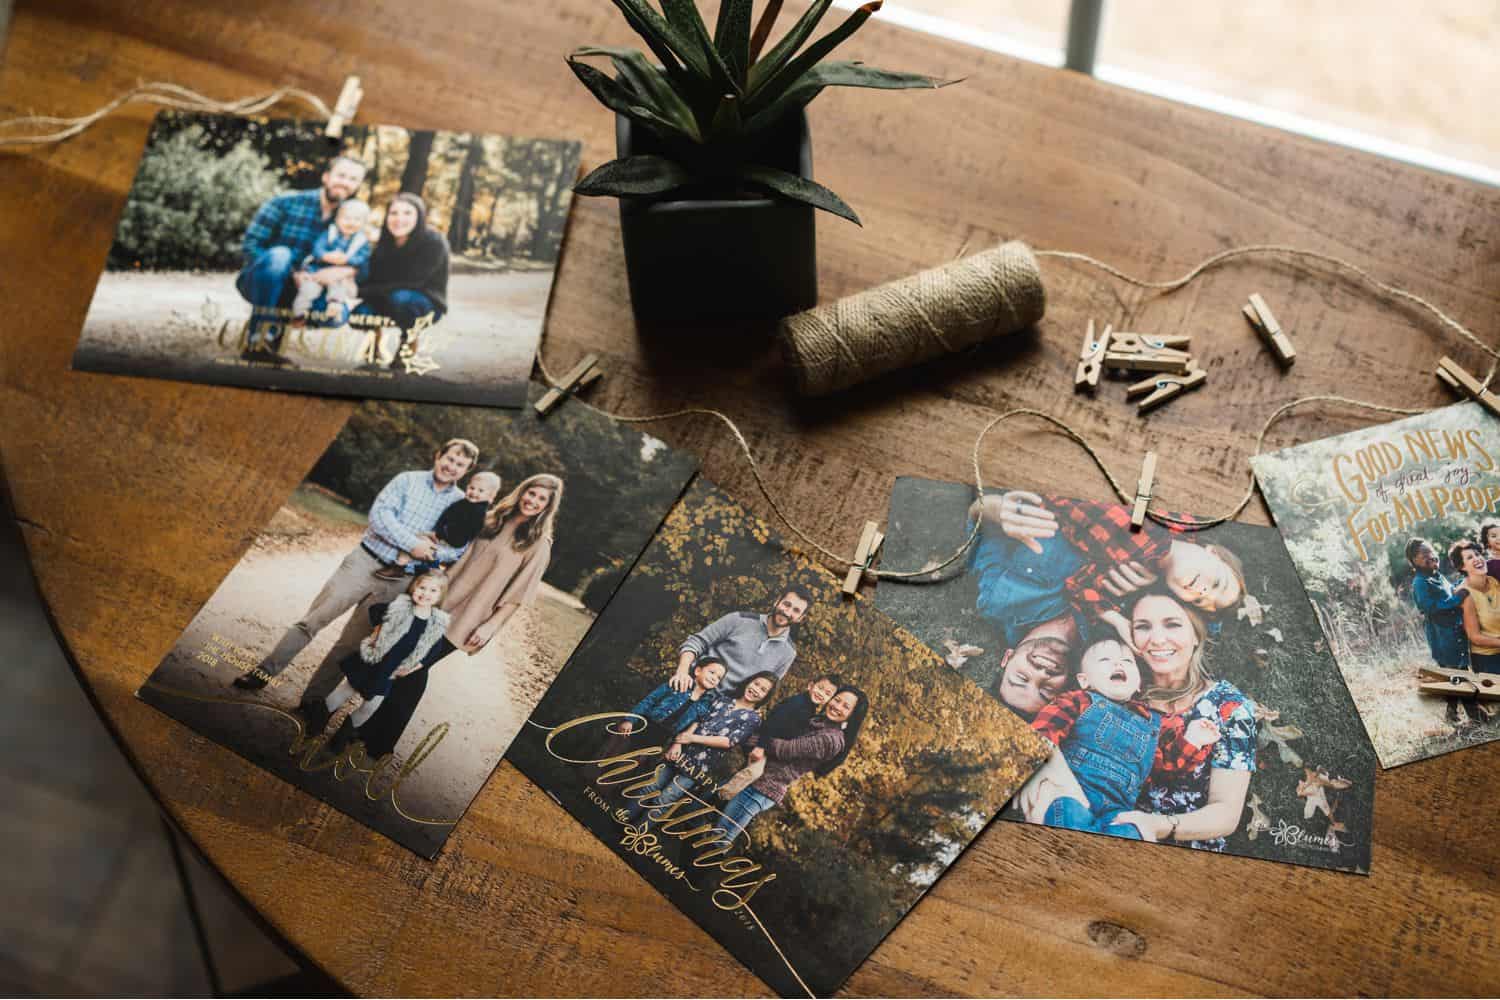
<point>409,505</point>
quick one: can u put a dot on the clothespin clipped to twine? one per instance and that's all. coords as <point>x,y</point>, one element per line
<point>579,378</point>
<point>345,108</point>
<point>1461,382</point>
<point>864,555</point>
<point>1143,492</point>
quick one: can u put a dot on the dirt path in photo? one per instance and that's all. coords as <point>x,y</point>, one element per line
<point>169,321</point>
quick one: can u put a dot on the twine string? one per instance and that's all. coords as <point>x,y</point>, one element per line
<point>1278,250</point>
<point>942,310</point>
<point>932,573</point>
<point>48,129</point>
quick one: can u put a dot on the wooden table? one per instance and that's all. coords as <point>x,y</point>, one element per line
<point>137,496</point>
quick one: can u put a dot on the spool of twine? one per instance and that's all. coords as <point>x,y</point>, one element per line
<point>940,311</point>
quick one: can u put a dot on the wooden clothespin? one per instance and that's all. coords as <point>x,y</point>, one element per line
<point>1143,492</point>
<point>1091,358</point>
<point>1141,343</point>
<point>1458,684</point>
<point>869,544</point>
<point>1264,321</point>
<point>1465,384</point>
<point>1165,388</point>
<point>579,378</point>
<point>1137,352</point>
<point>345,108</point>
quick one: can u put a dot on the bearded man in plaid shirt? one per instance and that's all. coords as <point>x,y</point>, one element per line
<point>276,242</point>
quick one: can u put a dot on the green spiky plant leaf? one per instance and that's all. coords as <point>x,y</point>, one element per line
<point>709,99</point>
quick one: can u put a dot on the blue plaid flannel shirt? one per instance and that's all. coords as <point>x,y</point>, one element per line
<point>408,506</point>
<point>294,220</point>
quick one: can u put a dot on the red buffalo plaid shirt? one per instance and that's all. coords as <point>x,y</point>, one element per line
<point>1174,752</point>
<point>1101,534</point>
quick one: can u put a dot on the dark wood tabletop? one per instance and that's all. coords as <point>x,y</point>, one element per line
<point>137,496</point>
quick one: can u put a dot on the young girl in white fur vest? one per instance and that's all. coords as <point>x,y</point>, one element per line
<point>406,629</point>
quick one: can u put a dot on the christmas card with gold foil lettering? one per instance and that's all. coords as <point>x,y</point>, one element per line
<point>790,767</point>
<point>1396,532</point>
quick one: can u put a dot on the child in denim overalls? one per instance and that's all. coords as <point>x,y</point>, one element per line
<point>1111,741</point>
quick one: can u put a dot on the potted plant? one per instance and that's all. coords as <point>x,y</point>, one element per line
<point>714,161</point>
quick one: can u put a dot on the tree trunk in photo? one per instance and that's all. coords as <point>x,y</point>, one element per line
<point>463,202</point>
<point>374,161</point>
<point>545,203</point>
<point>490,240</point>
<point>554,218</point>
<point>414,177</point>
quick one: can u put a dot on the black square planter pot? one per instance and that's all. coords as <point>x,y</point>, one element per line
<point>754,256</point>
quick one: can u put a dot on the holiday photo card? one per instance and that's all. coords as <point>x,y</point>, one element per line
<point>390,263</point>
<point>390,628</point>
<point>789,767</point>
<point>1180,675</point>
<point>1396,532</point>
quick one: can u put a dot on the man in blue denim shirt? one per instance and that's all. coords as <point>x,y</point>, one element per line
<point>1019,586</point>
<point>1440,603</point>
<point>277,240</point>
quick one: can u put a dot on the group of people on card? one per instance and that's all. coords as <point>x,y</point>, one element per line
<point>1462,618</point>
<point>308,258</point>
<point>1107,634</point>
<point>715,713</point>
<point>440,568</point>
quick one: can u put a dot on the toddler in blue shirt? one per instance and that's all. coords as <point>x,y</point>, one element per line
<point>342,244</point>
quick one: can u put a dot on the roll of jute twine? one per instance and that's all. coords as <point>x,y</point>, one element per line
<point>942,310</point>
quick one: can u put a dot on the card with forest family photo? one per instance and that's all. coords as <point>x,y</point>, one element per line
<point>789,767</point>
<point>390,263</point>
<point>390,628</point>
<point>1180,675</point>
<point>1396,532</point>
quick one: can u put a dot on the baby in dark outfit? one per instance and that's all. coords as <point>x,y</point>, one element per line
<point>457,526</point>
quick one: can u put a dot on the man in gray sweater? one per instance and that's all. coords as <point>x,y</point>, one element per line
<point>746,643</point>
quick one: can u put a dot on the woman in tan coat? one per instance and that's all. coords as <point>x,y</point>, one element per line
<point>500,572</point>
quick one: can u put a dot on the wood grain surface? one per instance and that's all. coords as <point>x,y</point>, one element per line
<point>137,496</point>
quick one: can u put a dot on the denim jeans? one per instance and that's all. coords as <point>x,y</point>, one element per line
<point>1110,751</point>
<point>670,786</point>
<point>1484,663</point>
<point>266,283</point>
<point>406,307</point>
<point>743,808</point>
<point>1069,814</point>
